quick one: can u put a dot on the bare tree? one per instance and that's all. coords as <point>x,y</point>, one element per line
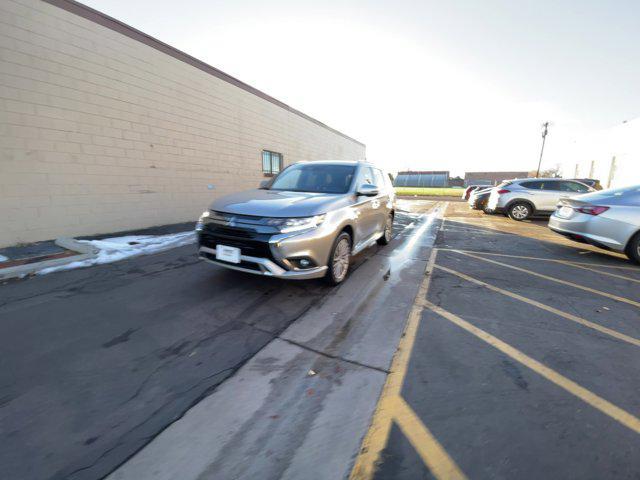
<point>551,172</point>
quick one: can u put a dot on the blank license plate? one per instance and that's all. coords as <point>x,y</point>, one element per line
<point>565,212</point>
<point>228,254</point>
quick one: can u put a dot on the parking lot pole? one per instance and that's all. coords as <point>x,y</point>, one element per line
<point>545,130</point>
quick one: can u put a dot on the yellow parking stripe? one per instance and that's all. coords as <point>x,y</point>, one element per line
<point>433,455</point>
<point>629,279</point>
<point>568,316</point>
<point>543,259</point>
<point>557,280</point>
<point>597,402</point>
<point>378,434</point>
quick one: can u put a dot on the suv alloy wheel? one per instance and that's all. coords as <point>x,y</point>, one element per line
<point>339,259</point>
<point>388,230</point>
<point>519,211</point>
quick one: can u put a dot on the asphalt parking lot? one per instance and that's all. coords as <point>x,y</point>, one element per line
<point>97,361</point>
<point>520,360</point>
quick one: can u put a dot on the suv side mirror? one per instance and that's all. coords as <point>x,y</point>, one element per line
<point>264,184</point>
<point>368,190</point>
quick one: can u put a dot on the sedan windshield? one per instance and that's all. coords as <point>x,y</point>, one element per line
<point>317,178</point>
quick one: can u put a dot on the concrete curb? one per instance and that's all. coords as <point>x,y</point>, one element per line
<point>85,252</point>
<point>75,245</point>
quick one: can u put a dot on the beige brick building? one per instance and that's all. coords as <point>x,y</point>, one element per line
<point>103,128</point>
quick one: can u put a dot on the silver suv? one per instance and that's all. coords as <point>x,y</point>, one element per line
<point>304,223</point>
<point>520,199</point>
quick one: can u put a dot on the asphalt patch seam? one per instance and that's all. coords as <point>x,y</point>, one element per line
<point>334,357</point>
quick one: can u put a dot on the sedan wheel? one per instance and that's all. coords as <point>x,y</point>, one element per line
<point>633,249</point>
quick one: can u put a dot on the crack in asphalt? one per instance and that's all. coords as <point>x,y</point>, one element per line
<point>119,442</point>
<point>334,357</point>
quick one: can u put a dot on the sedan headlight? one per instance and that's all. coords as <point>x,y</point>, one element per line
<point>287,225</point>
<point>200,223</point>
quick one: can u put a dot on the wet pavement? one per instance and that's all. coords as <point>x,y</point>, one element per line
<point>524,361</point>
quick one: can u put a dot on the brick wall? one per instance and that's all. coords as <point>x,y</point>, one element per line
<point>100,132</point>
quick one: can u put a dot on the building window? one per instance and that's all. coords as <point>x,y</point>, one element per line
<point>271,162</point>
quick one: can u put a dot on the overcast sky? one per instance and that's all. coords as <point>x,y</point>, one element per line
<point>455,85</point>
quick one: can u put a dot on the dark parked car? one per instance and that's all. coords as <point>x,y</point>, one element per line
<point>467,191</point>
<point>593,183</point>
<point>479,198</point>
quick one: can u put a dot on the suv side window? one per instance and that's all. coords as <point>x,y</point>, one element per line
<point>573,187</point>
<point>379,179</point>
<point>366,176</point>
<point>533,185</point>
<point>552,186</point>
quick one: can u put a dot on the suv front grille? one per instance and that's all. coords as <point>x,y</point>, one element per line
<point>233,232</point>
<point>249,242</point>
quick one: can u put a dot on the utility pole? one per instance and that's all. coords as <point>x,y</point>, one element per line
<point>545,130</point>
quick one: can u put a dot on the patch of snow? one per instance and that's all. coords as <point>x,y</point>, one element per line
<point>118,248</point>
<point>3,258</point>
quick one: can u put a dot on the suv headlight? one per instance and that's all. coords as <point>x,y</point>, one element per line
<point>287,225</point>
<point>199,223</point>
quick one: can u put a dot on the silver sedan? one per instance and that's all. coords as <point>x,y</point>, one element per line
<point>608,219</point>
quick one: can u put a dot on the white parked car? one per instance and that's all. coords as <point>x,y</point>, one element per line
<point>522,198</point>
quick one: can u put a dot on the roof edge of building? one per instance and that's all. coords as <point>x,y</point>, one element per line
<point>111,23</point>
<point>495,173</point>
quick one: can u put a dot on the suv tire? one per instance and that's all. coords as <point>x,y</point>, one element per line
<point>519,211</point>
<point>633,248</point>
<point>339,259</point>
<point>388,230</point>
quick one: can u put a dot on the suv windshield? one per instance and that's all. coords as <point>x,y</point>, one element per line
<point>318,178</point>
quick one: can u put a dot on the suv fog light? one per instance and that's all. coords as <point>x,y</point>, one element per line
<point>302,263</point>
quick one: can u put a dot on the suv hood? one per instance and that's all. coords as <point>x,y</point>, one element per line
<point>280,203</point>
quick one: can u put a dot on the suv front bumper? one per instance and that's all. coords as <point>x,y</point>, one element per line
<point>261,266</point>
<point>266,252</point>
